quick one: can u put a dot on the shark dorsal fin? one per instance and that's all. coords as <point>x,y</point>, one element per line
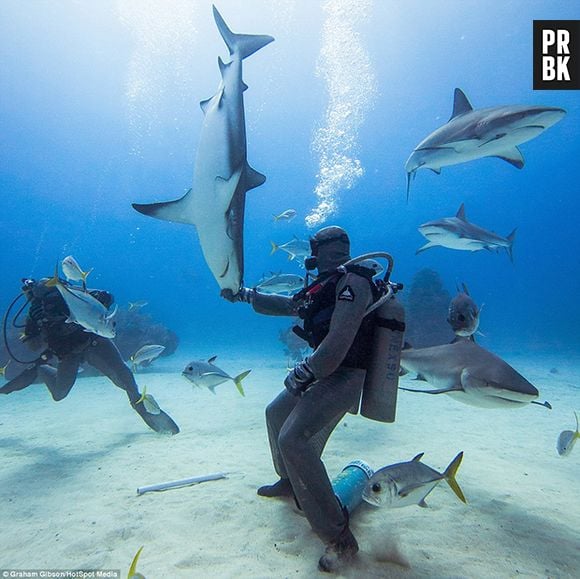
<point>461,104</point>
<point>461,213</point>
<point>418,457</point>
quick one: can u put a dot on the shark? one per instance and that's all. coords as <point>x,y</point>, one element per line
<point>472,134</point>
<point>470,374</point>
<point>463,314</point>
<point>215,204</point>
<point>458,233</point>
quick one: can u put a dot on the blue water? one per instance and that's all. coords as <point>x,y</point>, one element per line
<point>99,109</point>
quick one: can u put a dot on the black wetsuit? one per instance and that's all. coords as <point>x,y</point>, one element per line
<point>47,330</point>
<point>299,427</point>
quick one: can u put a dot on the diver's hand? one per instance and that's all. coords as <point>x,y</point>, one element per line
<point>245,295</point>
<point>299,379</point>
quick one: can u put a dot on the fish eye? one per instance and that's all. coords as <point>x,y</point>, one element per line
<point>190,368</point>
<point>376,488</point>
<point>461,317</point>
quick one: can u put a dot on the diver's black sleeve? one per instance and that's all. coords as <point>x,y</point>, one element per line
<point>274,305</point>
<point>353,296</point>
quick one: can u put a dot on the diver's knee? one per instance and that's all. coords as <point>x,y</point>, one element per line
<point>291,444</point>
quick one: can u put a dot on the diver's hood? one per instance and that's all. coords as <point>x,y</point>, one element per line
<point>331,247</point>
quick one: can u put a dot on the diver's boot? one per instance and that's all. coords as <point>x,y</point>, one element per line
<point>22,381</point>
<point>282,488</point>
<point>339,551</point>
<point>159,422</point>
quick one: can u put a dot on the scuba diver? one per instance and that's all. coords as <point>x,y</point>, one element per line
<point>47,330</point>
<point>322,388</point>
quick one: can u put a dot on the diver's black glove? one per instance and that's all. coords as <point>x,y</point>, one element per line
<point>245,295</point>
<point>299,379</point>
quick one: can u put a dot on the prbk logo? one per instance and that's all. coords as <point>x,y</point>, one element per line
<point>556,54</point>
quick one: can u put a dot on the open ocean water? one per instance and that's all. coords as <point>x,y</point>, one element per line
<point>99,108</point>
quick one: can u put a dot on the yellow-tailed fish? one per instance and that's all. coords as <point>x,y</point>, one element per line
<point>149,402</point>
<point>133,569</point>
<point>208,375</point>
<point>73,271</point>
<point>567,439</point>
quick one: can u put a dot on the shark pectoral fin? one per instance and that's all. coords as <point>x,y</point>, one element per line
<point>178,211</point>
<point>438,391</point>
<point>428,245</point>
<point>435,170</point>
<point>254,178</point>
<point>512,156</point>
<point>225,189</point>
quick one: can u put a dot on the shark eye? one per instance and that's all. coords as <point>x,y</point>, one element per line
<point>376,488</point>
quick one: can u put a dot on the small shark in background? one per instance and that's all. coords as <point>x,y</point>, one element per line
<point>458,233</point>
<point>408,483</point>
<point>470,374</point>
<point>472,134</point>
<point>222,176</point>
<point>463,315</point>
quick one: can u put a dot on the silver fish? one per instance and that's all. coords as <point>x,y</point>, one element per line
<point>463,315</point>
<point>73,271</point>
<point>146,354</point>
<point>86,310</point>
<point>287,215</point>
<point>281,283</point>
<point>372,264</point>
<point>458,233</point>
<point>215,204</point>
<point>408,483</point>
<point>472,134</point>
<point>137,305</point>
<point>294,248</point>
<point>567,439</point>
<point>207,375</point>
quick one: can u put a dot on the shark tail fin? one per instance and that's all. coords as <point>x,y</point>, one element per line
<point>243,44</point>
<point>238,381</point>
<point>511,238</point>
<point>449,476</point>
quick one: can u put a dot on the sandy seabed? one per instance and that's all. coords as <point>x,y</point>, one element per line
<point>70,471</point>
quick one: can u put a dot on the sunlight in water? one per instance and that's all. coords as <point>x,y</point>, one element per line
<point>163,32</point>
<point>345,66</point>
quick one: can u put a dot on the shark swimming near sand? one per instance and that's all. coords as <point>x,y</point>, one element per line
<point>222,176</point>
<point>470,374</point>
<point>458,233</point>
<point>473,134</point>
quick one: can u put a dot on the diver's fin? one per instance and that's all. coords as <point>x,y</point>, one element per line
<point>449,476</point>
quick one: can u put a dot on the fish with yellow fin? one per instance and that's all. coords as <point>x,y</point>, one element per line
<point>133,574</point>
<point>73,271</point>
<point>149,402</point>
<point>567,439</point>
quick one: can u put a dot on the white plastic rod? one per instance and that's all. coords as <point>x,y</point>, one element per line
<point>181,483</point>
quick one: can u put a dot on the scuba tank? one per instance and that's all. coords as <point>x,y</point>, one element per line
<point>379,395</point>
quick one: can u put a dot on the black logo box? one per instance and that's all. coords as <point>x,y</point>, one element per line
<point>573,64</point>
